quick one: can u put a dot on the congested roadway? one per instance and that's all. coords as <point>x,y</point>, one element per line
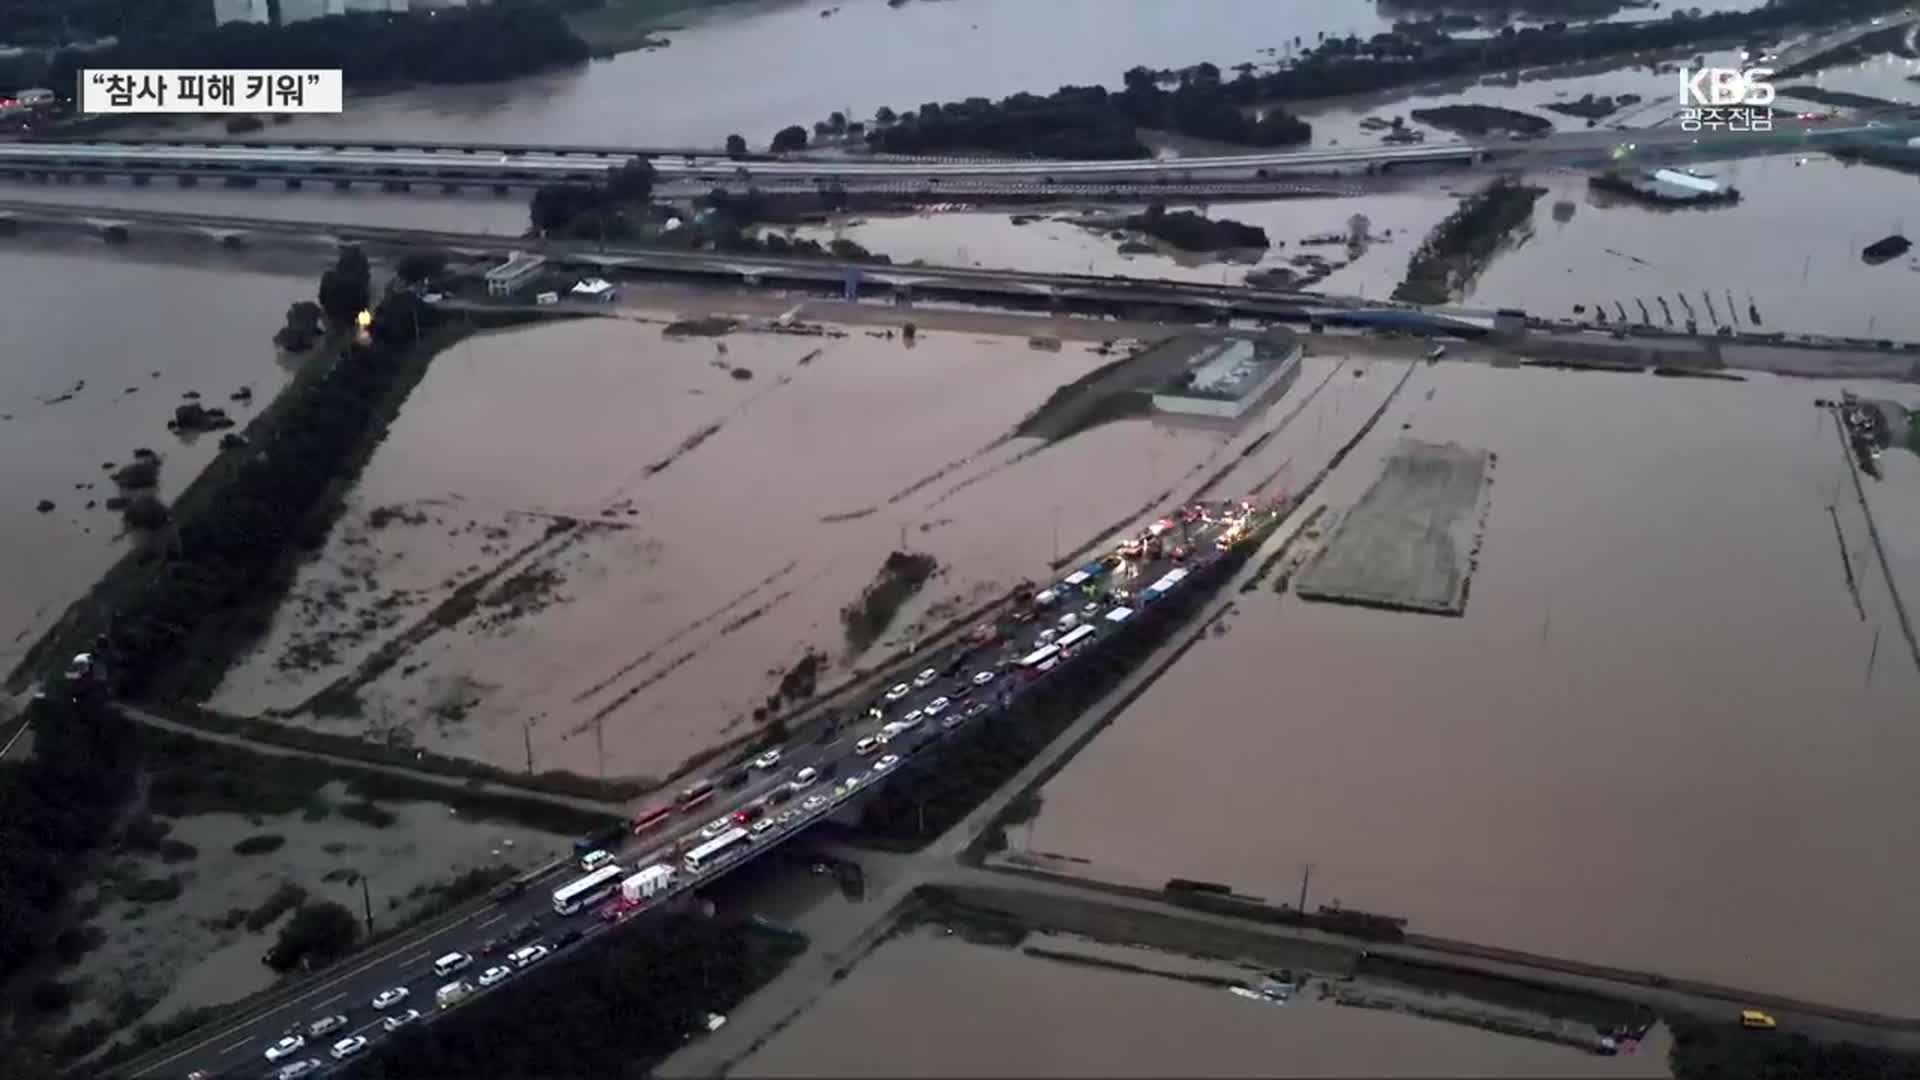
<point>774,796</point>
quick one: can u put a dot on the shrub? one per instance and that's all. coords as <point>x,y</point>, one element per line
<point>317,935</point>
<point>152,890</point>
<point>284,899</point>
<point>53,996</point>
<point>260,845</point>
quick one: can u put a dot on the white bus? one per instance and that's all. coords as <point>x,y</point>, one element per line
<point>1033,660</point>
<point>1073,638</point>
<point>714,849</point>
<point>589,890</point>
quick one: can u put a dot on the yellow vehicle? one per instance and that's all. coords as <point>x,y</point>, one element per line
<point>1754,1018</point>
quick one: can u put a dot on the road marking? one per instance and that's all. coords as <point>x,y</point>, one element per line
<point>331,1000</point>
<point>489,922</point>
<point>414,959</point>
<point>236,1046</point>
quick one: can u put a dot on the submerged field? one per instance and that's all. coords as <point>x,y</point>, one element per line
<point>1064,1006</point>
<point>605,547</point>
<point>1662,704</point>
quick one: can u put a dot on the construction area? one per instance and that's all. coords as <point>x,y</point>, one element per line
<point>1409,544</point>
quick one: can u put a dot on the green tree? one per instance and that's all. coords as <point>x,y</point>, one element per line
<point>316,935</point>
<point>884,116</point>
<point>837,121</point>
<point>632,182</point>
<point>302,327</point>
<point>792,137</point>
<point>420,266</point>
<point>736,146</point>
<point>345,289</point>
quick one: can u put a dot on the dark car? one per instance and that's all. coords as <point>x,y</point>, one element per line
<point>493,945</point>
<point>780,795</point>
<point>748,815</point>
<point>965,689</point>
<point>568,938</point>
<point>737,779</point>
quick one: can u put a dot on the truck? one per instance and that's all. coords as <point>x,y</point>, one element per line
<point>648,883</point>
<point>452,993</point>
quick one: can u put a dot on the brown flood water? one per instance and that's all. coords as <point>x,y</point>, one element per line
<point>671,618</point>
<point>1650,741</point>
<point>118,326</point>
<point>1021,1015</point>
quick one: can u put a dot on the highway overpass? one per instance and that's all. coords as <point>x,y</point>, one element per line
<point>454,167</point>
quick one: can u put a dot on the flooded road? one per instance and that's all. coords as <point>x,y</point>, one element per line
<point>865,55</point>
<point>99,352</point>
<point>1660,704</point>
<point>1025,1015</point>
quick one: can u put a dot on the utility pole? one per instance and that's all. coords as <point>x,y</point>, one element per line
<point>1056,536</point>
<point>527,731</point>
<point>366,898</point>
<point>1872,653</point>
<point>1306,875</point>
<point>600,744</point>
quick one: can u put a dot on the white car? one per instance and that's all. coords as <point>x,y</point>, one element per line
<point>528,955</point>
<point>926,678</point>
<point>594,860</point>
<point>395,1023</point>
<point>886,763</point>
<point>983,678</point>
<point>937,706</point>
<point>716,827</point>
<point>387,999</point>
<point>767,760</point>
<point>955,719</point>
<point>294,1070</point>
<point>853,782</point>
<point>348,1047</point>
<point>804,779</point>
<point>1090,610</point>
<point>788,817</point>
<point>291,1044</point>
<point>913,718</point>
<point>867,745</point>
<point>899,691</point>
<point>495,975</point>
<point>761,826</point>
<point>814,803</point>
<point>326,1025</point>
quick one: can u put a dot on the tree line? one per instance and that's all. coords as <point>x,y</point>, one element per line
<point>177,606</point>
<point>615,1010</point>
<point>481,43</point>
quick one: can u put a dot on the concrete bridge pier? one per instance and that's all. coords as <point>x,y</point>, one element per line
<point>502,189</point>
<point>293,183</point>
<point>449,188</point>
<point>189,180</point>
<point>9,224</point>
<point>342,185</point>
<point>141,179</point>
<point>63,178</point>
<point>398,185</point>
<point>96,178</point>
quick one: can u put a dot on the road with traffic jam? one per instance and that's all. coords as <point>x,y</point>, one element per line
<point>690,839</point>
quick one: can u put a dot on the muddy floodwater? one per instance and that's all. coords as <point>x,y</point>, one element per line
<point>861,57</point>
<point>1027,1015</point>
<point>1798,233</point>
<point>468,210</point>
<point>605,545</point>
<point>1056,242</point>
<point>1663,736</point>
<point>99,352</point>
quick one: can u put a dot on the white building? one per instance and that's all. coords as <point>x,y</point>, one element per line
<point>514,274</point>
<point>253,11</point>
<point>295,11</point>
<point>1226,378</point>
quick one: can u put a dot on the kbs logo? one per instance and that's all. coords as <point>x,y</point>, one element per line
<point>1726,99</point>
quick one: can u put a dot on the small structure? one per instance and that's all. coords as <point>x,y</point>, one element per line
<point>593,289</point>
<point>1666,187</point>
<point>515,274</point>
<point>1226,377</point>
<point>35,98</point>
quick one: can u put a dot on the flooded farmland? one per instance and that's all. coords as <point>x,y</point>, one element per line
<point>602,548</point>
<point>1034,1015</point>
<point>1661,704</point>
<point>100,352</point>
<point>1801,226</point>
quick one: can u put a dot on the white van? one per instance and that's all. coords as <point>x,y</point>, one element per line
<point>452,994</point>
<point>594,860</point>
<point>450,963</point>
<point>1068,622</point>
